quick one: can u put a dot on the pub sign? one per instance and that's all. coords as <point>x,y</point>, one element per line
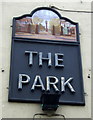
<point>45,58</point>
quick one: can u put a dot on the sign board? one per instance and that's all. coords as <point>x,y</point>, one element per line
<point>45,58</point>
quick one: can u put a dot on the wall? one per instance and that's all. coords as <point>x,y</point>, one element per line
<point>0,60</point>
<point>14,9</point>
<point>91,61</point>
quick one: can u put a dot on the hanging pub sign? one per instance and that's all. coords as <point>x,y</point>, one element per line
<point>45,58</point>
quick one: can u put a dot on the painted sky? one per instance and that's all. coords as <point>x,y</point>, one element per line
<point>45,14</point>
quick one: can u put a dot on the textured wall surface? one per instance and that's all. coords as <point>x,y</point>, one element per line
<point>14,9</point>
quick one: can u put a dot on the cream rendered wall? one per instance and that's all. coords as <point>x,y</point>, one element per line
<point>14,9</point>
<point>92,60</point>
<point>0,61</point>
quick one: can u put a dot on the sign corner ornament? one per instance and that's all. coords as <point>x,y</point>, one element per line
<point>45,58</point>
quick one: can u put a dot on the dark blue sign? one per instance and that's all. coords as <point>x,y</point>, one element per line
<point>45,58</point>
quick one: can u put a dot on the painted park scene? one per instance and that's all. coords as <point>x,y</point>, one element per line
<point>45,24</point>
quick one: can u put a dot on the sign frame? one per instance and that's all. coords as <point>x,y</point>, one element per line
<point>45,41</point>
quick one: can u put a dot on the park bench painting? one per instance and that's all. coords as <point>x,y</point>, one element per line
<point>45,24</point>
